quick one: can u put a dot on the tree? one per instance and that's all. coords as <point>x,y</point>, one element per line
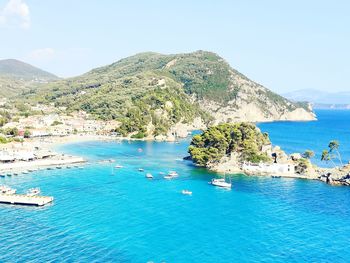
<point>326,156</point>
<point>26,134</point>
<point>308,154</point>
<point>334,146</point>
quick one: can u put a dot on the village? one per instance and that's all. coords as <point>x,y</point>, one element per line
<point>27,142</point>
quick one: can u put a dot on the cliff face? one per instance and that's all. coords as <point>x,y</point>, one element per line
<point>163,90</point>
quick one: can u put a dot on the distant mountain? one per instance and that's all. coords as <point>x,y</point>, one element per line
<point>321,99</point>
<point>17,77</point>
<point>12,68</point>
<point>149,93</point>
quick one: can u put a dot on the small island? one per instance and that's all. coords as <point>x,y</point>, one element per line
<point>243,148</point>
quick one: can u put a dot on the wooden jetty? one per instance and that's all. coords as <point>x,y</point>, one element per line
<point>17,199</point>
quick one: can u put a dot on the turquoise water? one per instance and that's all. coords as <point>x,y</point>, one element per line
<point>101,217</point>
<point>315,135</point>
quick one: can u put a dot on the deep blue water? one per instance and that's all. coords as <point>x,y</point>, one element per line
<point>100,217</point>
<point>315,135</point>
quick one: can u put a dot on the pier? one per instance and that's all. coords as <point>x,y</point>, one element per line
<point>17,199</point>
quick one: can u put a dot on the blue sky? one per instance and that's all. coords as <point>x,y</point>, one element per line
<point>284,45</point>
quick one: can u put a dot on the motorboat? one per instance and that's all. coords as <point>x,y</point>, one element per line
<point>118,166</point>
<point>7,190</point>
<point>33,191</point>
<point>141,169</point>
<point>149,176</point>
<point>186,192</point>
<point>221,182</point>
<point>173,174</point>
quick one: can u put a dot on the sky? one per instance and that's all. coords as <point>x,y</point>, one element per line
<point>283,45</point>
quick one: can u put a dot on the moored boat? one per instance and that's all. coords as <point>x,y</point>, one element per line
<point>173,174</point>
<point>149,176</point>
<point>33,191</point>
<point>186,192</point>
<point>7,190</point>
<point>221,182</point>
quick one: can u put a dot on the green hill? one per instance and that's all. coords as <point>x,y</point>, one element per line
<point>162,90</point>
<point>15,69</point>
<point>17,77</point>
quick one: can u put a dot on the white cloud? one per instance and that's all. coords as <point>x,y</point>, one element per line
<point>42,54</point>
<point>15,13</point>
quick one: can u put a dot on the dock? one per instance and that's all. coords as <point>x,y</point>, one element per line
<point>18,199</point>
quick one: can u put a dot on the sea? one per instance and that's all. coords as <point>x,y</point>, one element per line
<point>106,214</point>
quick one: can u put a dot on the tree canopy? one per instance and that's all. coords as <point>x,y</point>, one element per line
<point>224,139</point>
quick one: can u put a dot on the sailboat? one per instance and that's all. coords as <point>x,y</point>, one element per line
<point>221,182</point>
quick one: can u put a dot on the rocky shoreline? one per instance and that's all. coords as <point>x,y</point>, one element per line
<point>333,176</point>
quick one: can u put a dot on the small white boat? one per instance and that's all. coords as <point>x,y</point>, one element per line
<point>33,191</point>
<point>161,173</point>
<point>25,172</point>
<point>141,169</point>
<point>118,166</point>
<point>173,174</point>
<point>221,183</point>
<point>149,176</point>
<point>168,177</point>
<point>186,192</point>
<point>7,190</point>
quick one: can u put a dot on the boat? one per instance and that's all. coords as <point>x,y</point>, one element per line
<point>173,174</point>
<point>168,177</point>
<point>7,190</point>
<point>58,167</point>
<point>81,167</point>
<point>2,175</point>
<point>118,166</point>
<point>9,174</point>
<point>33,191</point>
<point>141,169</point>
<point>221,182</point>
<point>149,176</point>
<point>186,192</point>
<point>161,173</point>
<point>276,176</point>
<point>25,172</point>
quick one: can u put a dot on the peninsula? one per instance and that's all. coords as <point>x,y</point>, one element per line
<point>243,148</point>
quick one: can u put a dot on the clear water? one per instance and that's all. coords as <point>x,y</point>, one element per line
<point>315,135</point>
<point>100,217</point>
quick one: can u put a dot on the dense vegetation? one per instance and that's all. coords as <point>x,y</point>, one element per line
<point>221,140</point>
<point>136,90</point>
